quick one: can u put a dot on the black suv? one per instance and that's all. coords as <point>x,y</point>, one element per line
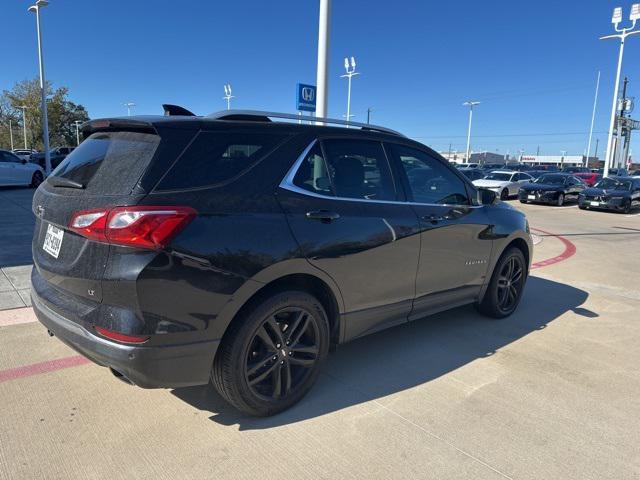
<point>175,249</point>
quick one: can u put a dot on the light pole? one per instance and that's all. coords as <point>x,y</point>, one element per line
<point>469,104</point>
<point>563,152</point>
<point>227,95</point>
<point>11,133</point>
<point>77,125</point>
<point>45,121</point>
<point>24,124</point>
<point>129,106</point>
<point>322,72</point>
<point>593,117</point>
<point>622,34</point>
<point>350,67</point>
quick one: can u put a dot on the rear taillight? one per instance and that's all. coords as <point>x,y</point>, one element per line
<point>138,226</point>
<point>121,337</point>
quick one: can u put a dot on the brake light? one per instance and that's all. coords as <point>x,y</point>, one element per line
<point>138,226</point>
<point>121,337</point>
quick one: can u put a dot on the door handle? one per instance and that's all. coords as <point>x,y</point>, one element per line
<point>325,216</point>
<point>433,218</point>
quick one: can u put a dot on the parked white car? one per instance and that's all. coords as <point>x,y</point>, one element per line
<point>15,171</point>
<point>23,153</point>
<point>505,183</point>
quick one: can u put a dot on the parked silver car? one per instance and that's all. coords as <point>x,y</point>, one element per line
<point>505,183</point>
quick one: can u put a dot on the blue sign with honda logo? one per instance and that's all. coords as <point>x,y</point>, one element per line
<point>306,97</point>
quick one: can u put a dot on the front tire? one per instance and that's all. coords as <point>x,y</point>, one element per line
<point>36,179</point>
<point>506,285</point>
<point>560,201</point>
<point>271,356</point>
<point>504,195</point>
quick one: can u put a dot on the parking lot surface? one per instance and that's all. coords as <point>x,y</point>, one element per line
<point>551,392</point>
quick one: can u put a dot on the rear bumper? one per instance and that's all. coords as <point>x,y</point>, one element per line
<point>165,366</point>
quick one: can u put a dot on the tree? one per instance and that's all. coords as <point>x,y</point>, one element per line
<point>62,113</point>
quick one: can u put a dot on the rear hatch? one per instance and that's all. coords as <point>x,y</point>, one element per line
<point>104,171</point>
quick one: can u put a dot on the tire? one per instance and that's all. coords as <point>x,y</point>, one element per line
<point>504,194</point>
<point>259,388</point>
<point>493,304</point>
<point>523,201</point>
<point>560,200</point>
<point>582,207</point>
<point>36,179</point>
<point>627,208</point>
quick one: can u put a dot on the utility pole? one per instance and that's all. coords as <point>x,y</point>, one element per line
<point>368,114</point>
<point>617,153</point>
<point>593,117</point>
<point>77,124</point>
<point>11,133</point>
<point>596,152</point>
<point>538,151</point>
<point>322,72</point>
<point>24,124</point>
<point>469,104</point>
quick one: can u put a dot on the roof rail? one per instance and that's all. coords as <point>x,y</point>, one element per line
<point>259,116</point>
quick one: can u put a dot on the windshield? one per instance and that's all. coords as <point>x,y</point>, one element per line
<point>499,176</point>
<point>551,179</point>
<point>610,183</point>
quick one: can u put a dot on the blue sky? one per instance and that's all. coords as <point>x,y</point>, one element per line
<point>532,64</point>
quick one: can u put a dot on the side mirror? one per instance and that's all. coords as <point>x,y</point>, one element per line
<point>486,196</point>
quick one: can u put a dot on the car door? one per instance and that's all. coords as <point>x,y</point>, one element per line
<point>455,235</point>
<point>8,174</point>
<point>574,187</point>
<point>346,213</point>
<point>22,171</point>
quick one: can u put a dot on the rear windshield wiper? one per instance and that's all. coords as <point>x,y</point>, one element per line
<point>64,182</point>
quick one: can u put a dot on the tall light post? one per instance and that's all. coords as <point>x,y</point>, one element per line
<point>24,123</point>
<point>350,68</point>
<point>593,117</point>
<point>129,106</point>
<point>227,95</point>
<point>11,133</point>
<point>45,121</point>
<point>77,125</point>
<point>322,72</point>
<point>622,34</point>
<point>469,104</point>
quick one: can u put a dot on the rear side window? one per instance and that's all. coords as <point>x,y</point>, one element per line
<point>109,163</point>
<point>359,169</point>
<point>312,175</point>
<point>217,157</point>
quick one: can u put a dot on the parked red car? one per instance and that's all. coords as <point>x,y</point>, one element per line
<point>589,178</point>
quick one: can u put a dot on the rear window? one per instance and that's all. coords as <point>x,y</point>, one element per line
<point>109,163</point>
<point>217,157</point>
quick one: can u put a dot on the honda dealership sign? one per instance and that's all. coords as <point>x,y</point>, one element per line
<point>306,97</point>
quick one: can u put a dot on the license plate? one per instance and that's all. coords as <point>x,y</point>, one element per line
<point>595,204</point>
<point>53,241</point>
<point>531,197</point>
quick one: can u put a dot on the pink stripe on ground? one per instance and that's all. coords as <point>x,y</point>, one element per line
<point>43,367</point>
<point>569,251</point>
<point>17,316</point>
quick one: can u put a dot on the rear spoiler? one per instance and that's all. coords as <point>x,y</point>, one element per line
<point>173,110</point>
<point>114,124</point>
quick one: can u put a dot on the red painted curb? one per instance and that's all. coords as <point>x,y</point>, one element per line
<point>569,251</point>
<point>43,367</point>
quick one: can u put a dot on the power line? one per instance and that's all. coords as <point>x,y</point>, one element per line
<point>547,134</point>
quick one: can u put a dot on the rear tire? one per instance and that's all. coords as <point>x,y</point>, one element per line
<point>506,285</point>
<point>271,356</point>
<point>523,201</point>
<point>36,179</point>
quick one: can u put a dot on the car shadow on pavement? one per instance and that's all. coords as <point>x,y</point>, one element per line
<point>406,356</point>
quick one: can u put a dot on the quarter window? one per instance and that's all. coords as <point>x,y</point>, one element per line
<point>430,181</point>
<point>359,169</point>
<point>312,173</point>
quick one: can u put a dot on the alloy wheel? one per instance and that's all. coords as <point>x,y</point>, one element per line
<point>282,353</point>
<point>510,284</point>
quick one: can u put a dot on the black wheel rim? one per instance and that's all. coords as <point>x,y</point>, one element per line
<point>560,200</point>
<point>283,353</point>
<point>510,284</point>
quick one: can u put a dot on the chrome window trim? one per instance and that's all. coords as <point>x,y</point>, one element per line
<point>287,184</point>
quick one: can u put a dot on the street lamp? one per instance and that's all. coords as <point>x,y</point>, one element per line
<point>350,67</point>
<point>622,34</point>
<point>77,125</point>
<point>227,95</point>
<point>129,106</point>
<point>45,122</point>
<point>24,123</point>
<point>469,104</point>
<point>11,133</point>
